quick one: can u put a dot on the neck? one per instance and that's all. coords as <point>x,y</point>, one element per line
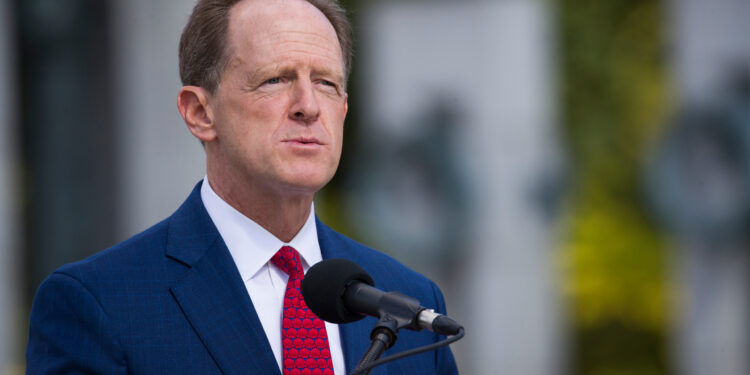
<point>283,215</point>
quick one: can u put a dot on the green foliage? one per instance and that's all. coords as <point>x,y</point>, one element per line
<point>615,268</point>
<point>615,94</point>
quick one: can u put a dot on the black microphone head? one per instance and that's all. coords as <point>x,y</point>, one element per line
<point>324,285</point>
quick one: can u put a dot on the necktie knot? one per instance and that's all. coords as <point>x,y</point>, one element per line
<point>288,260</point>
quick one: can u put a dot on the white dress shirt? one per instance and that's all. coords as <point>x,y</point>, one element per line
<point>252,248</point>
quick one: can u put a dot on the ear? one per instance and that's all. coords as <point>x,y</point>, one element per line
<point>346,103</point>
<point>192,102</point>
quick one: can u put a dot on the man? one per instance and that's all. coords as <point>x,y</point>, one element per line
<point>214,288</point>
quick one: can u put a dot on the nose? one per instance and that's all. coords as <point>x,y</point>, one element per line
<point>304,106</point>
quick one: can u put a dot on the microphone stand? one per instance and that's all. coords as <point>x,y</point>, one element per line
<point>382,337</point>
<point>394,314</point>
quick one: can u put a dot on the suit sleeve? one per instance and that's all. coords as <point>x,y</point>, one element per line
<point>69,332</point>
<point>444,361</point>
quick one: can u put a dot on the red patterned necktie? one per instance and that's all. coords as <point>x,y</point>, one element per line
<point>304,337</point>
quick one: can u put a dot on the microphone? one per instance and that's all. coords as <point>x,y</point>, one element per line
<point>340,291</point>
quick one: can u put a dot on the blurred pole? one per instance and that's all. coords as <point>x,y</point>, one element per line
<point>713,336</point>
<point>10,306</point>
<point>159,160</point>
<point>485,69</point>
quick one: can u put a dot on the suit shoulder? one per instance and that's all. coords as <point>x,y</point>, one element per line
<point>388,272</point>
<point>383,261</point>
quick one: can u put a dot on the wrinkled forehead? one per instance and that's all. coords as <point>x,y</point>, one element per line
<point>262,23</point>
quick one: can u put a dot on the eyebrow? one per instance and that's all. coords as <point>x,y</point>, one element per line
<point>283,69</point>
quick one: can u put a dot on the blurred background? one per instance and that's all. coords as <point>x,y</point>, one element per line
<point>575,175</point>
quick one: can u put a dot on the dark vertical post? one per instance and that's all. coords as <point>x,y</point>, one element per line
<point>67,132</point>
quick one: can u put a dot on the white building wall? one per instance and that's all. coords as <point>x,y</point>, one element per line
<point>495,60</point>
<point>710,46</point>
<point>710,42</point>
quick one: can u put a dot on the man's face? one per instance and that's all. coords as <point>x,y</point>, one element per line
<point>280,107</point>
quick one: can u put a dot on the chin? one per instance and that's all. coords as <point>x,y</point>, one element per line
<point>309,176</point>
<point>306,182</point>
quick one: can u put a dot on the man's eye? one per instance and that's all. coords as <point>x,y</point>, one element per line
<point>273,81</point>
<point>330,85</point>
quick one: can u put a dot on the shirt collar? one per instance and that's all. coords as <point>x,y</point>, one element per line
<point>251,245</point>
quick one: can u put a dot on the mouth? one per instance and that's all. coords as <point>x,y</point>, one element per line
<point>305,141</point>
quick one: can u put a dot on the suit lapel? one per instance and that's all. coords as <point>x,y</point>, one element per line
<point>355,337</point>
<point>212,295</point>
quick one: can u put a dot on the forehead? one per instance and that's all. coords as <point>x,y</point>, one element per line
<point>258,28</point>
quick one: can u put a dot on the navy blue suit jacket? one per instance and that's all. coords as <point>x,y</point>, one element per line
<point>170,300</point>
